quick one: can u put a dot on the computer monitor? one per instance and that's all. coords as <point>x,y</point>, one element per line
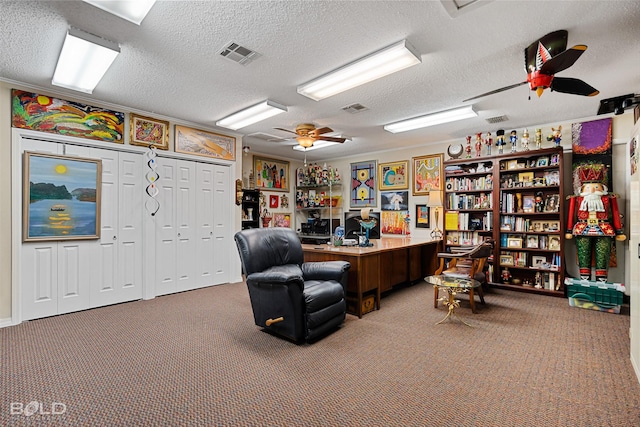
<point>352,227</point>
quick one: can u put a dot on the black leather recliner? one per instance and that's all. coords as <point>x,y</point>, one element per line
<point>297,300</point>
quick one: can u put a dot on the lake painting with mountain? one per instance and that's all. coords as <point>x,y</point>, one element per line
<point>61,197</point>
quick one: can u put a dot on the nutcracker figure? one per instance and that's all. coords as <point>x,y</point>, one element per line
<point>478,144</point>
<point>500,140</point>
<point>538,139</point>
<point>513,138</point>
<point>525,140</point>
<point>594,221</point>
<point>468,149</point>
<point>488,141</point>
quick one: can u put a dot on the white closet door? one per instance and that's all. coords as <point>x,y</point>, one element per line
<point>205,224</point>
<point>166,231</point>
<point>223,245</point>
<point>186,225</point>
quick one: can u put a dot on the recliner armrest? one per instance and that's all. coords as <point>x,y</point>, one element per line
<point>281,274</point>
<point>325,270</point>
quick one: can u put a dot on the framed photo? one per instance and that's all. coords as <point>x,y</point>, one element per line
<point>506,260</point>
<point>525,177</point>
<point>146,132</point>
<point>422,216</point>
<point>281,219</point>
<point>393,176</point>
<point>363,184</point>
<point>552,177</point>
<point>532,241</point>
<point>542,161</point>
<point>536,226</point>
<point>528,204</point>
<point>537,261</point>
<point>61,197</point>
<point>427,174</point>
<point>513,242</point>
<point>552,204</point>
<point>273,201</point>
<point>271,174</point>
<point>204,143</point>
<point>552,226</point>
<point>555,159</point>
<point>554,243</point>
<point>394,200</point>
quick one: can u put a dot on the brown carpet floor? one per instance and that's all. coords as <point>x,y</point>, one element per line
<point>196,359</point>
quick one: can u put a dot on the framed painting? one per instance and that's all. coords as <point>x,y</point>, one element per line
<point>422,216</point>
<point>394,200</point>
<point>281,219</point>
<point>271,174</point>
<point>393,222</point>
<point>427,174</point>
<point>53,115</point>
<point>273,201</point>
<point>363,184</point>
<point>61,197</point>
<point>147,132</point>
<point>393,176</point>
<point>204,143</point>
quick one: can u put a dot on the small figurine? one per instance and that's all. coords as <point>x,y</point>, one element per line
<point>488,141</point>
<point>525,140</point>
<point>514,140</point>
<point>556,136</point>
<point>538,280</point>
<point>538,139</point>
<point>478,144</point>
<point>468,149</point>
<point>506,275</point>
<point>500,140</point>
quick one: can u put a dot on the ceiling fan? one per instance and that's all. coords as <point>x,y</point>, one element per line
<point>543,59</point>
<point>308,134</point>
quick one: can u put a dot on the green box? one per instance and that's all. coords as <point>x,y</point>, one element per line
<point>594,296</point>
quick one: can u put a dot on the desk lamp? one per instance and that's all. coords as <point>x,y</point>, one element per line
<point>435,202</point>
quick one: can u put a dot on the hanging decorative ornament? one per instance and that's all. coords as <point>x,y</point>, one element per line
<point>151,204</point>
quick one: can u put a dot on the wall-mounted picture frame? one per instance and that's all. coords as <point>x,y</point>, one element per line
<point>273,201</point>
<point>393,175</point>
<point>427,174</point>
<point>513,242</point>
<point>271,174</point>
<point>394,200</point>
<point>147,132</point>
<point>423,216</point>
<point>282,219</point>
<point>363,184</point>
<point>61,197</point>
<point>204,143</point>
<point>506,260</point>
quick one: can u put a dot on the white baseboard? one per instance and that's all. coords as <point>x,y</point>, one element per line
<point>636,368</point>
<point>5,322</point>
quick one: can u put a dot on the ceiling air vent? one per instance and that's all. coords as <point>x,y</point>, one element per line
<point>239,54</point>
<point>497,119</point>
<point>355,108</point>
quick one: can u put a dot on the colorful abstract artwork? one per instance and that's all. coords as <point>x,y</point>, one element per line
<point>282,219</point>
<point>203,143</point>
<point>394,200</point>
<point>146,131</point>
<point>363,184</point>
<point>393,176</point>
<point>393,222</point>
<point>271,174</point>
<point>47,114</point>
<point>422,216</point>
<point>427,174</point>
<point>61,197</point>
<point>593,137</point>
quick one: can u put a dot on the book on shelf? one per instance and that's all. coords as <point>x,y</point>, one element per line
<point>451,220</point>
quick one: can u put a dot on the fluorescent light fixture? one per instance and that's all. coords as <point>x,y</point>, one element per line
<point>83,61</point>
<point>252,115</point>
<point>386,61</point>
<point>318,144</point>
<point>132,10</point>
<point>432,119</point>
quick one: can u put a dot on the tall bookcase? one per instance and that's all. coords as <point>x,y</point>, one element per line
<point>516,199</point>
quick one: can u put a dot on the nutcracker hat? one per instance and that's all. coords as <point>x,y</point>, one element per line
<point>593,172</point>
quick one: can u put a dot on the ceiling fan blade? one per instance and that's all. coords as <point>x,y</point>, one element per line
<point>496,91</point>
<point>331,139</point>
<point>553,44</point>
<point>572,86</point>
<point>286,130</point>
<point>320,131</point>
<point>563,60</point>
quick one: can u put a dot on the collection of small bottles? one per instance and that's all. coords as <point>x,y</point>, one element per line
<point>315,174</point>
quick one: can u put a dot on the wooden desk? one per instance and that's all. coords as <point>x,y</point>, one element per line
<point>376,269</point>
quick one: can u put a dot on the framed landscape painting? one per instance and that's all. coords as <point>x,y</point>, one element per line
<point>204,143</point>
<point>146,132</point>
<point>61,197</point>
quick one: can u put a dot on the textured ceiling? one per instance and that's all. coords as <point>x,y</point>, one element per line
<point>170,65</point>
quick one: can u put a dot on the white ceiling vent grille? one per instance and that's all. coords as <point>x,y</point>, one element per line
<point>497,119</point>
<point>239,54</point>
<point>355,108</point>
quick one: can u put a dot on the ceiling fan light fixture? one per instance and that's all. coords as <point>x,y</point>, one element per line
<point>251,115</point>
<point>305,141</point>
<point>316,145</point>
<point>83,61</point>
<point>132,11</point>
<point>432,119</point>
<point>386,61</point>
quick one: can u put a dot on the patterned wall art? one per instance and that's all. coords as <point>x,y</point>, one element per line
<point>422,216</point>
<point>393,222</point>
<point>427,174</point>
<point>594,137</point>
<point>363,184</point>
<point>204,143</point>
<point>281,219</point>
<point>146,131</point>
<point>47,114</point>
<point>271,174</point>
<point>393,175</point>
